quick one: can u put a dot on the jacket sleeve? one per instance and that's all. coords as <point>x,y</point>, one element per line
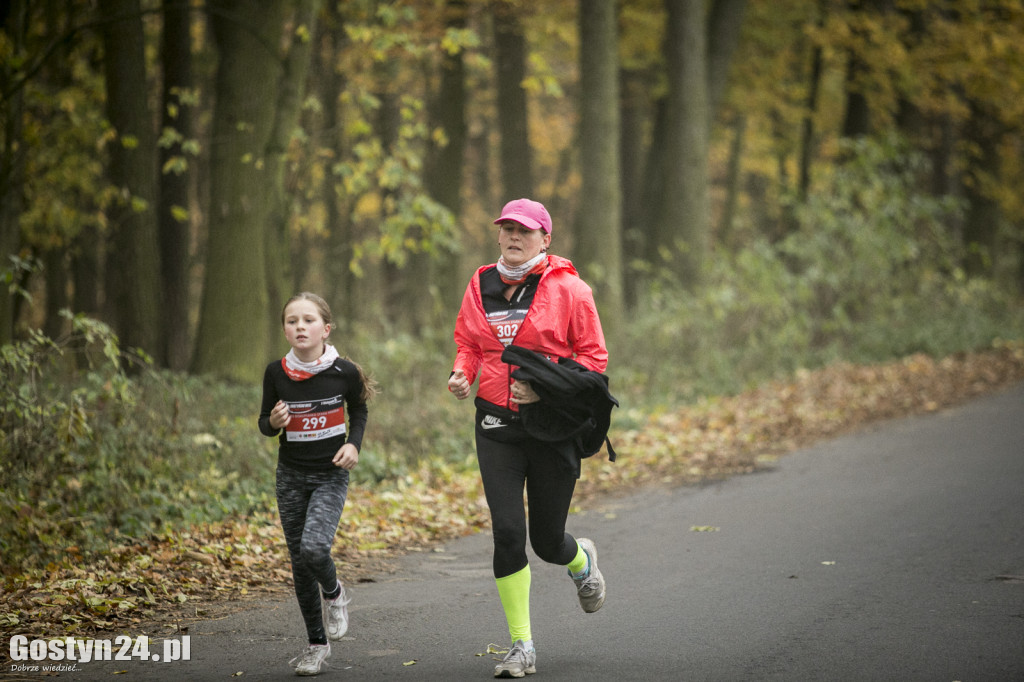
<point>469,355</point>
<point>585,333</point>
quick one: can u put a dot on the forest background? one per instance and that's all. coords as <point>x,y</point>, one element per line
<point>754,190</point>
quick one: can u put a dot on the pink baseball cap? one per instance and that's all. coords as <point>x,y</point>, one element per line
<point>527,213</point>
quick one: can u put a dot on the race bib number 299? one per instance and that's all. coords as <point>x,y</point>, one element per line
<point>306,426</point>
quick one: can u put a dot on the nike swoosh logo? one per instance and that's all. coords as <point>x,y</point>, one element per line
<point>491,423</point>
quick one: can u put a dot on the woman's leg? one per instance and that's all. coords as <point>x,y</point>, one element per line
<point>503,472</point>
<point>549,490</point>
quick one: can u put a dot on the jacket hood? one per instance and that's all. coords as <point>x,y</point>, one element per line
<point>561,263</point>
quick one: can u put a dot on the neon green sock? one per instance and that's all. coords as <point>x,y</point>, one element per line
<point>514,591</point>
<point>579,564</point>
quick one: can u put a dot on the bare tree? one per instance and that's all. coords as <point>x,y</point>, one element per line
<point>233,340</point>
<point>598,228</point>
<point>516,169</point>
<point>176,116</point>
<point>133,280</point>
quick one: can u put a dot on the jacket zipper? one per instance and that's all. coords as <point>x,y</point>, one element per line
<point>508,381</point>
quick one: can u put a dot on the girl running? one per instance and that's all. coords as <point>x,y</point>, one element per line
<point>315,402</point>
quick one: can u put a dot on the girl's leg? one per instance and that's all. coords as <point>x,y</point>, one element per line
<point>310,507</point>
<point>323,514</point>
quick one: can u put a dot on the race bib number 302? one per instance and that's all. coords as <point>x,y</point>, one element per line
<point>310,425</point>
<point>505,324</point>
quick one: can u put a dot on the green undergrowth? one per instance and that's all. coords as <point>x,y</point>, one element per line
<point>869,270</point>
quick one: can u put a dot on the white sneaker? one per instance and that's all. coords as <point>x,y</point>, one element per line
<point>312,659</point>
<point>518,662</point>
<point>590,588</point>
<point>336,615</point>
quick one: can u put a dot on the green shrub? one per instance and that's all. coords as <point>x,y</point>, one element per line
<point>870,273</point>
<point>93,451</point>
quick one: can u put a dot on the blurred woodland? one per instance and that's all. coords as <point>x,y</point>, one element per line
<point>798,216</point>
<point>177,169</point>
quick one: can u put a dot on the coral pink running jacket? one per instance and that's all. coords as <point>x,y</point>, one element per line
<point>562,322</point>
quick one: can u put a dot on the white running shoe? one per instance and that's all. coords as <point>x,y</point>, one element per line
<point>336,615</point>
<point>590,588</point>
<point>312,659</point>
<point>517,662</point>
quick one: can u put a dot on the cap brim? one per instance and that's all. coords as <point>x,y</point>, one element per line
<point>522,220</point>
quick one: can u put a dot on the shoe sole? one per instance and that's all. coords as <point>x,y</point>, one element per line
<point>507,674</point>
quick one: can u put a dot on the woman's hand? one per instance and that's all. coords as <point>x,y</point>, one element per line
<point>279,416</point>
<point>347,457</point>
<point>523,393</point>
<point>458,384</point>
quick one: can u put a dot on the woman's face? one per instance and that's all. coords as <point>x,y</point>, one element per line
<point>519,244</point>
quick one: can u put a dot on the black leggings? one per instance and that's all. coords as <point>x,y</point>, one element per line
<point>505,468</point>
<point>310,505</point>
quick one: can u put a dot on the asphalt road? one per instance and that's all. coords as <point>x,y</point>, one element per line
<point>893,554</point>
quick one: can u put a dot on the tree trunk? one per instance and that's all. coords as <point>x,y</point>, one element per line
<point>683,217</point>
<point>402,299</point>
<point>724,28</point>
<point>14,23</point>
<point>231,340</point>
<point>598,228</point>
<point>340,290</point>
<point>444,166</point>
<point>176,57</point>
<point>135,279</point>
<point>726,232</point>
<point>984,215</point>
<point>55,273</point>
<point>287,104</point>
<point>635,110</point>
<point>86,266</point>
<point>857,118</point>
<point>516,169</point>
<point>807,131</point>
<point>659,164</point>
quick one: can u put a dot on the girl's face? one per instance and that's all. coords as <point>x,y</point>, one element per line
<point>519,244</point>
<point>305,330</point>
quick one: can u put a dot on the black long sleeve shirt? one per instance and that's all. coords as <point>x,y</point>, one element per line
<point>327,410</point>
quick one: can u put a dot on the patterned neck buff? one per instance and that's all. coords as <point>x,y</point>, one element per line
<point>513,275</point>
<point>297,370</point>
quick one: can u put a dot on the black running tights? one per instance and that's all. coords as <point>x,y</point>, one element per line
<point>505,469</point>
<point>310,505</point>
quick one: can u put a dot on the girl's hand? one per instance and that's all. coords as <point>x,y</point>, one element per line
<point>458,384</point>
<point>347,457</point>
<point>523,393</point>
<point>279,416</point>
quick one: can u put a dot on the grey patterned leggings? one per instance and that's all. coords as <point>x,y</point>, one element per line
<point>310,504</point>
